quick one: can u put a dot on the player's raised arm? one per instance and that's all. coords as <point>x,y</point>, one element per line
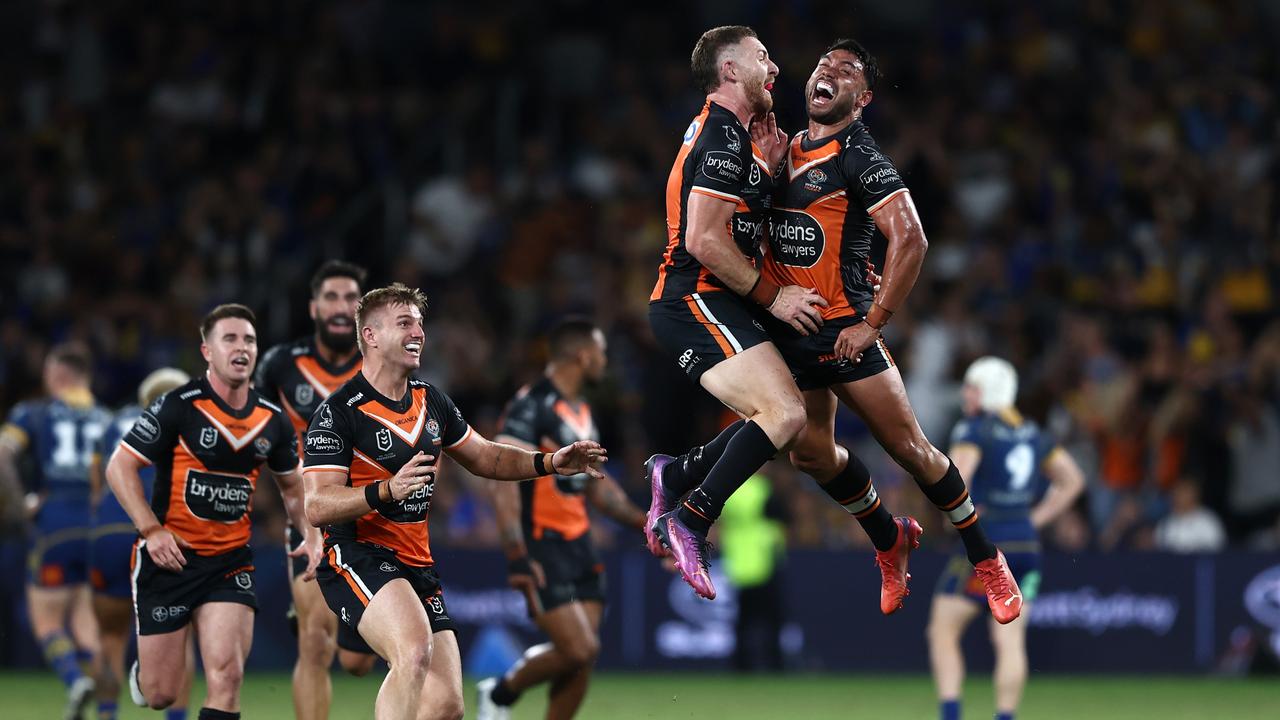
<point>500,461</point>
<point>607,496</point>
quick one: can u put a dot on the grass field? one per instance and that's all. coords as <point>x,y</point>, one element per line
<point>37,696</point>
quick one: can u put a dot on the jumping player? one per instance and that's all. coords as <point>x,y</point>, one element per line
<point>372,452</point>
<point>1004,458</point>
<point>544,526</point>
<point>60,431</point>
<point>703,307</point>
<point>192,564</point>
<point>299,376</point>
<point>111,547</point>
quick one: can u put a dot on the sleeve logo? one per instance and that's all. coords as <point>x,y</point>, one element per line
<point>723,166</point>
<point>323,442</point>
<point>147,427</point>
<point>735,142</point>
<point>880,177</point>
<point>691,132</point>
<point>326,417</point>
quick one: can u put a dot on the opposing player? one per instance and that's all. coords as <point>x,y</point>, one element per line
<point>372,451</point>
<point>60,432</point>
<point>1004,458</point>
<point>192,564</point>
<point>111,547</point>
<point>544,526</point>
<point>299,376</point>
<point>703,308</point>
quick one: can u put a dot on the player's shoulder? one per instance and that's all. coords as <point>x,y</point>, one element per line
<point>721,130</point>
<point>350,394</point>
<point>285,352</point>
<point>194,389</point>
<point>432,392</point>
<point>263,402</point>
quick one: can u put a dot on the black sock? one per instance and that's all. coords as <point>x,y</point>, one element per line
<point>748,449</point>
<point>685,472</point>
<point>503,695</point>
<point>951,497</point>
<point>211,714</point>
<point>852,489</point>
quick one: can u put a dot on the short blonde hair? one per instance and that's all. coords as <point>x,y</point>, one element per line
<point>389,296</point>
<point>160,382</point>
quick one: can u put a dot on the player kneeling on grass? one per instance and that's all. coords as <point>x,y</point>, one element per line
<point>1003,458</point>
<point>372,451</point>
<point>192,564</point>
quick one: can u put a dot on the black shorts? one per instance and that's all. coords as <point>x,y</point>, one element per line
<point>701,329</point>
<point>573,570</point>
<point>297,565</point>
<point>813,361</point>
<point>351,573</point>
<point>348,638</point>
<point>163,600</point>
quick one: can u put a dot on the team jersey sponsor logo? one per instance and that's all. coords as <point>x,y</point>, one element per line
<point>208,437</point>
<point>735,142</point>
<point>326,417</point>
<point>262,445</point>
<point>872,153</point>
<point>879,177</point>
<point>797,238</point>
<point>747,229</point>
<point>387,567</point>
<point>720,165</point>
<point>816,176</point>
<point>147,427</point>
<point>691,133</point>
<point>433,427</point>
<point>303,395</point>
<point>324,442</point>
<point>162,613</point>
<point>413,509</point>
<point>217,497</point>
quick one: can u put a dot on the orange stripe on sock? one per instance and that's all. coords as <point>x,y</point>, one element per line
<point>718,336</point>
<point>868,511</point>
<point>959,501</point>
<point>859,496</point>
<point>962,525</point>
<point>695,511</point>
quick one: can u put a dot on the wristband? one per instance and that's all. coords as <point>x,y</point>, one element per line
<point>888,314</point>
<point>764,292</point>
<point>372,496</point>
<point>540,465</point>
<point>519,566</point>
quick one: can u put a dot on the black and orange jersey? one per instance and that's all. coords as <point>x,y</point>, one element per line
<point>822,222</point>
<point>294,375</point>
<point>207,456</point>
<point>717,158</point>
<point>540,416</point>
<point>368,437</point>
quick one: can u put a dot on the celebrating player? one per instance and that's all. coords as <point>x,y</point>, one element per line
<point>372,451</point>
<point>300,375</point>
<point>1003,457</point>
<point>60,431</point>
<point>192,564</point>
<point>718,197</point>
<point>544,526</point>
<point>111,547</point>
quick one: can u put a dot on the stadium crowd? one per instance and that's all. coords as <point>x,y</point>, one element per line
<point>1101,213</point>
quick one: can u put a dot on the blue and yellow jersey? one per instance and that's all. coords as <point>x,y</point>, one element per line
<point>109,511</point>
<point>1009,476</point>
<point>61,433</point>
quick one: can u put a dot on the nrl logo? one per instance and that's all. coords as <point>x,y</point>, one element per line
<point>208,437</point>
<point>303,395</point>
<point>384,439</point>
<point>244,580</point>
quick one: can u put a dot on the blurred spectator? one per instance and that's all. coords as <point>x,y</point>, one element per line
<point>1189,527</point>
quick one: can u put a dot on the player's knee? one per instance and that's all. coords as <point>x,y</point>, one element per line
<point>582,652</point>
<point>224,676</point>
<point>915,455</point>
<point>161,699</point>
<point>316,646</point>
<point>788,418</point>
<point>939,633</point>
<point>413,656</point>
<point>357,664</point>
<point>818,465</point>
<point>451,707</point>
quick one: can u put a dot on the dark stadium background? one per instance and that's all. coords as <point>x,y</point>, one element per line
<point>1098,181</point>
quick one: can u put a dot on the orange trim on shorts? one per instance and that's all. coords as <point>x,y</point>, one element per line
<point>333,561</point>
<point>718,336</point>
<point>972,519</point>
<point>958,502</point>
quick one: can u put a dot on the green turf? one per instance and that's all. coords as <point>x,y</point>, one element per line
<point>27,695</point>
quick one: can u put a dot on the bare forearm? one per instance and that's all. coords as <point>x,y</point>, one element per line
<point>510,463</point>
<point>127,487</point>
<point>294,500</point>
<point>506,508</point>
<point>1055,503</point>
<point>717,252</point>
<point>334,504</point>
<point>904,256</point>
<point>609,499</point>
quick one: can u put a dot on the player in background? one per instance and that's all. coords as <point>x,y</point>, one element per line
<point>545,529</point>
<point>192,563</point>
<point>299,375</point>
<point>111,545</point>
<point>59,431</point>
<point>372,453</point>
<point>1004,458</point>
<point>703,309</point>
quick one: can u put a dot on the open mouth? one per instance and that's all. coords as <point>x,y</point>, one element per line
<point>340,322</point>
<point>240,362</point>
<point>413,348</point>
<point>823,93</point>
